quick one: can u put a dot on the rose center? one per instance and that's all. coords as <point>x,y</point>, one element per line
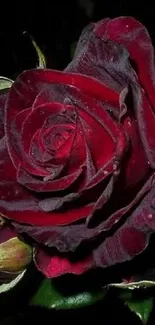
<point>58,141</point>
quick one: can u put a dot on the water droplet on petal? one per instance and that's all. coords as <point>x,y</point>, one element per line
<point>16,192</point>
<point>115,166</point>
<point>150,216</point>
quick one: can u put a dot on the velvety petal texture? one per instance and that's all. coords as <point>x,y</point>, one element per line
<point>77,152</point>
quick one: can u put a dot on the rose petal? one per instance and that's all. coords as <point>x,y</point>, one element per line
<point>132,173</point>
<point>17,153</point>
<point>68,238</point>
<point>22,128</point>
<point>130,33</point>
<point>77,155</point>
<point>13,197</point>
<point>102,59</point>
<point>19,204</point>
<point>22,88</point>
<point>96,125</point>
<point>3,97</point>
<point>46,185</point>
<point>132,238</point>
<point>6,233</point>
<point>54,266</point>
<point>122,247</point>
<point>102,200</point>
<point>29,212</point>
<point>55,203</point>
<point>133,35</point>
<point>94,133</point>
<point>36,119</point>
<point>91,54</point>
<point>146,122</point>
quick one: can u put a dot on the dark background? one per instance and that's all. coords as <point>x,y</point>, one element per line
<point>56,25</point>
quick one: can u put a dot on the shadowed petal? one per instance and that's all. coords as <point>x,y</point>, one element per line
<point>54,266</point>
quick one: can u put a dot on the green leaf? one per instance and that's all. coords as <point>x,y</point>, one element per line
<point>5,83</point>
<point>47,296</point>
<point>41,57</point>
<point>7,286</point>
<point>142,307</point>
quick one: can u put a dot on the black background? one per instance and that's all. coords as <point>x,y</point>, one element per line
<point>55,25</point>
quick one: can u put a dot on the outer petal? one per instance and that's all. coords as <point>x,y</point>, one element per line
<point>128,241</point>
<point>69,238</point>
<point>6,233</point>
<point>109,61</point>
<point>132,238</point>
<point>130,33</point>
<point>54,266</point>
<point>102,59</point>
<point>138,157</point>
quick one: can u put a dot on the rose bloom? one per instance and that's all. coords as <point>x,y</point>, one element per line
<point>77,152</point>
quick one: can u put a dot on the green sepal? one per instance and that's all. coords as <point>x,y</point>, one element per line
<point>49,297</point>
<point>41,56</point>
<point>134,285</point>
<point>8,286</point>
<point>5,83</point>
<point>140,305</point>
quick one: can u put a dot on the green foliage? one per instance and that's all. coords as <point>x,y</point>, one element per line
<point>48,296</point>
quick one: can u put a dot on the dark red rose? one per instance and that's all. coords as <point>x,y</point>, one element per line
<point>78,152</point>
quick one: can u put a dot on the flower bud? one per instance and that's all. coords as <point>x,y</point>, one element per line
<point>15,255</point>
